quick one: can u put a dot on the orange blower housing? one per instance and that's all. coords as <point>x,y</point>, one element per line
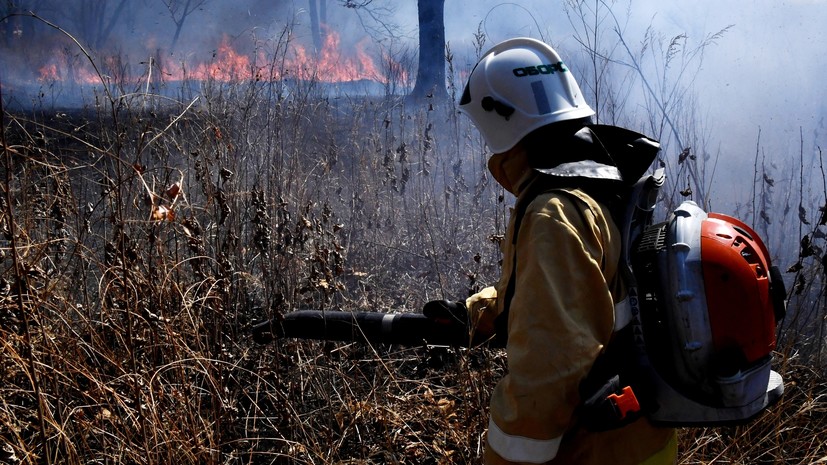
<point>736,270</point>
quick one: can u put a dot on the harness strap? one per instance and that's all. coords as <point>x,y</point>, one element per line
<point>623,314</point>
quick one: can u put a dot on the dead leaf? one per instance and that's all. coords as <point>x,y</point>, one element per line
<point>173,191</point>
<point>162,213</point>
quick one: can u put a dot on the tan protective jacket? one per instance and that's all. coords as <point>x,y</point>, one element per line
<point>561,317</point>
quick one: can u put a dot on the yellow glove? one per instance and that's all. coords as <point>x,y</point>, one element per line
<point>482,310</point>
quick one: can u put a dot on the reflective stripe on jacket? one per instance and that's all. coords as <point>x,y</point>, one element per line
<point>561,316</point>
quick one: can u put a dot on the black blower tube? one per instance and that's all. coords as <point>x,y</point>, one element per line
<point>409,329</point>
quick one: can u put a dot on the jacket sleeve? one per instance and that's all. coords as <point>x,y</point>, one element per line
<point>561,314</point>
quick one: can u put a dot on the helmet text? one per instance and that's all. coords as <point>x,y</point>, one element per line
<point>540,69</point>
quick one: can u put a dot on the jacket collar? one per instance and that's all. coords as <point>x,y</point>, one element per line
<point>600,152</point>
<point>594,153</point>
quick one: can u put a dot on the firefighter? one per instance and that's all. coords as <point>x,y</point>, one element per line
<point>560,295</point>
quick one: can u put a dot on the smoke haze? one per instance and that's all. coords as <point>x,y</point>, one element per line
<point>762,74</point>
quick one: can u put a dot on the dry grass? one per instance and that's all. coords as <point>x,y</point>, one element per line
<point>140,246</point>
<point>141,240</point>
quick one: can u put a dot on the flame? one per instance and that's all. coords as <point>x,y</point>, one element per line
<point>61,66</point>
<point>49,73</point>
<point>331,66</point>
<point>227,64</point>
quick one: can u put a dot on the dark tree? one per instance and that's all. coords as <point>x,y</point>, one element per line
<point>430,76</point>
<point>179,10</point>
<point>318,20</point>
<point>92,21</point>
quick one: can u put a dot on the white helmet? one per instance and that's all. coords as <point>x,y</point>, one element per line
<point>518,86</point>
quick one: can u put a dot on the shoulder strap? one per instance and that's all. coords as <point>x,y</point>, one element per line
<point>624,361</point>
<point>635,214</point>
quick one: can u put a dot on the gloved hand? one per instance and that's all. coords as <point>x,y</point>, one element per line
<point>449,316</point>
<point>482,311</point>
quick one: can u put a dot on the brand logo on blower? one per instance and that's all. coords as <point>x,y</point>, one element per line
<point>540,69</point>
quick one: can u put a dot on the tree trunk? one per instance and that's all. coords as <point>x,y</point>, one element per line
<point>430,76</point>
<point>315,29</point>
<point>107,31</point>
<point>179,24</point>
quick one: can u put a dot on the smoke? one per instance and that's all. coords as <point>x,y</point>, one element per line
<point>766,70</point>
<point>764,73</point>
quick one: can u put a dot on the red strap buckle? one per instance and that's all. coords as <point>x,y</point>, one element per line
<point>625,402</point>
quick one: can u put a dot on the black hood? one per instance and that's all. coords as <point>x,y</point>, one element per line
<point>599,152</point>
